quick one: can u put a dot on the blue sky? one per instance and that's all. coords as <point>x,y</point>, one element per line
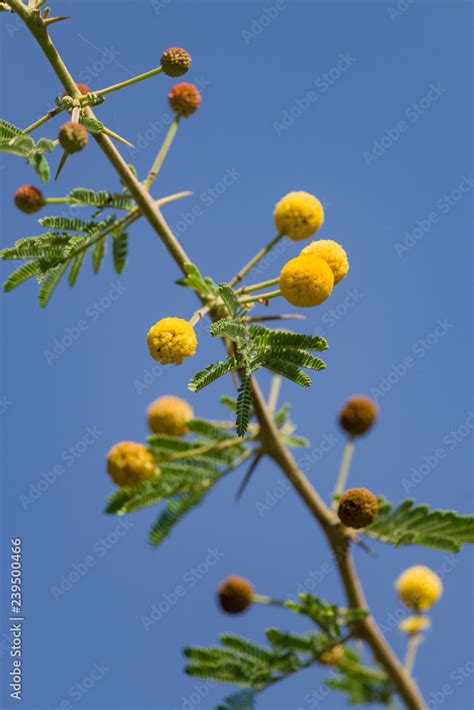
<point>368,105</point>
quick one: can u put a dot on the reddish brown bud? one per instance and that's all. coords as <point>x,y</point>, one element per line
<point>358,415</point>
<point>357,508</point>
<point>29,199</point>
<point>184,99</point>
<point>235,594</point>
<point>175,61</point>
<point>73,137</point>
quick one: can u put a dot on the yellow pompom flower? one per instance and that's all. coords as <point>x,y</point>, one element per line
<point>419,587</point>
<point>129,463</point>
<point>306,281</point>
<point>299,215</point>
<point>169,415</point>
<point>414,625</point>
<point>333,254</point>
<point>171,340</point>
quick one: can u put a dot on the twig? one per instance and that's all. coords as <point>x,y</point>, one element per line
<point>253,262</point>
<point>344,470</point>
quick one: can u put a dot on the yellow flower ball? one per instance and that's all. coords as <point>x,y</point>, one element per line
<point>171,340</point>
<point>419,587</point>
<point>129,463</point>
<point>414,624</point>
<point>333,254</point>
<point>306,281</point>
<point>169,415</point>
<point>298,215</point>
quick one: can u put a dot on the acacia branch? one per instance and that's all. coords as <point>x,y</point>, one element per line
<point>337,536</point>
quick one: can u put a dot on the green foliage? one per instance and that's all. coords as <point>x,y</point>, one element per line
<point>246,664</point>
<point>119,249</point>
<point>16,142</point>
<point>361,685</point>
<point>64,246</point>
<point>408,524</point>
<point>327,616</point>
<point>204,286</point>
<point>186,472</point>
<point>244,406</point>
<point>211,373</point>
<point>257,346</point>
<point>231,300</point>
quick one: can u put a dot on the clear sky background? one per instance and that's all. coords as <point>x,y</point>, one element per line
<point>408,296</point>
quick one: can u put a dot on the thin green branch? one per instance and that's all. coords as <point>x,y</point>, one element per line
<point>253,262</point>
<point>47,117</point>
<point>344,470</point>
<point>160,158</point>
<point>124,84</point>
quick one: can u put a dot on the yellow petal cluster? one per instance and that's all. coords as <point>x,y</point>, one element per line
<point>171,340</point>
<point>333,254</point>
<point>298,215</point>
<point>129,463</point>
<point>419,587</point>
<point>169,415</point>
<point>306,281</point>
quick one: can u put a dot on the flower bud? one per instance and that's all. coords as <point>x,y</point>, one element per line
<point>169,415</point>
<point>298,215</point>
<point>175,61</point>
<point>129,463</point>
<point>357,508</point>
<point>235,594</point>
<point>358,415</point>
<point>184,99</point>
<point>333,254</point>
<point>419,587</point>
<point>29,199</point>
<point>72,137</point>
<point>171,340</point>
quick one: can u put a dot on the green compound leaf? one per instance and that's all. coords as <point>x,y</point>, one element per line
<point>244,406</point>
<point>298,357</point>
<point>286,369</point>
<point>98,253</point>
<point>231,300</point>
<point>76,266</point>
<point>175,510</point>
<point>120,250</point>
<point>232,329</point>
<point>213,372</point>
<point>408,524</point>
<point>51,280</point>
<point>22,274</point>
<point>264,337</point>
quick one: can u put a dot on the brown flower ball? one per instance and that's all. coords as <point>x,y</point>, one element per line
<point>357,508</point>
<point>184,99</point>
<point>29,199</point>
<point>72,137</point>
<point>235,594</point>
<point>175,61</point>
<point>358,415</point>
